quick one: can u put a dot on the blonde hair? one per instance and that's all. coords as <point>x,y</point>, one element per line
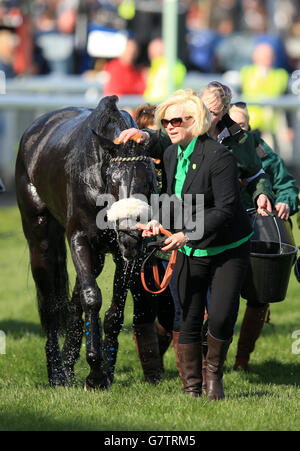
<point>220,90</point>
<point>193,106</point>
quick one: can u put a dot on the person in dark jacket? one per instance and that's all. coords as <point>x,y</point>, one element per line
<point>194,164</point>
<point>286,204</point>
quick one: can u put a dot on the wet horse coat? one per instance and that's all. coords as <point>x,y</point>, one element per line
<point>66,162</point>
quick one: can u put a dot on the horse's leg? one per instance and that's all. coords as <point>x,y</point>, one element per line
<point>72,344</point>
<point>91,301</point>
<point>114,316</point>
<point>47,256</point>
<point>46,242</point>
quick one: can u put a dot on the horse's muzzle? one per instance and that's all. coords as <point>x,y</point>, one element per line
<point>130,243</point>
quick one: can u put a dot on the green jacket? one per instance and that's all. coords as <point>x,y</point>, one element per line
<point>283,183</point>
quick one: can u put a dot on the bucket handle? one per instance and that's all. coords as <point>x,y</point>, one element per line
<point>273,215</point>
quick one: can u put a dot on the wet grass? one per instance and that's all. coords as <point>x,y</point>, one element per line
<point>266,399</point>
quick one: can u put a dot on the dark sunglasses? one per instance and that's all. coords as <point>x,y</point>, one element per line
<point>175,122</point>
<point>239,104</point>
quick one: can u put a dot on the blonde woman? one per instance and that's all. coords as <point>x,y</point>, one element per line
<point>194,164</point>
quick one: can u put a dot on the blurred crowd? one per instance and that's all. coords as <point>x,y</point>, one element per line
<point>120,43</point>
<point>75,37</point>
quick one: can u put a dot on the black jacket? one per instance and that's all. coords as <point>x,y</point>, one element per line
<point>212,172</point>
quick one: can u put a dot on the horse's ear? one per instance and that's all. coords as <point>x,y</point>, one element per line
<point>105,112</point>
<point>106,144</point>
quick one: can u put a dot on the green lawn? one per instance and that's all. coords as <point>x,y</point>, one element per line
<point>268,398</point>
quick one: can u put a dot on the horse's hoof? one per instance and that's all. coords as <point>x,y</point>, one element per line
<point>57,379</point>
<point>92,384</point>
<point>58,382</point>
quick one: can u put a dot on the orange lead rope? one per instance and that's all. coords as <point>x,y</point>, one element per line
<point>161,286</point>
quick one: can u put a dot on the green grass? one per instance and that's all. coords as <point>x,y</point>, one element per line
<point>265,399</point>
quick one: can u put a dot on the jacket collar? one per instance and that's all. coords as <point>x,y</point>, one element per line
<point>195,161</point>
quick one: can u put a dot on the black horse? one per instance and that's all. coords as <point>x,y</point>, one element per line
<point>66,168</point>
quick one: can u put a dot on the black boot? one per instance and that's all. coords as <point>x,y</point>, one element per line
<point>190,359</point>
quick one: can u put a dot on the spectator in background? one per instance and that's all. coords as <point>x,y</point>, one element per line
<point>8,42</point>
<point>16,39</point>
<point>262,80</point>
<point>157,79</point>
<point>54,26</point>
<point>123,78</point>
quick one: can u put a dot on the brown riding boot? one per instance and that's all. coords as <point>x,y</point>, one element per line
<point>164,341</point>
<point>189,356</point>
<point>215,358</point>
<point>204,352</point>
<point>146,340</point>
<point>175,344</point>
<point>252,325</point>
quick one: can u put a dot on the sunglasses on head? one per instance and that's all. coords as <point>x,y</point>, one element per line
<point>239,104</point>
<point>217,84</point>
<point>175,122</point>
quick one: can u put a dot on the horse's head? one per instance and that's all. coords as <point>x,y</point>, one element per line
<point>129,176</point>
<point>130,180</point>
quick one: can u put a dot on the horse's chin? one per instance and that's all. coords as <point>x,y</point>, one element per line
<point>130,251</point>
<point>128,258</point>
<point>130,244</point>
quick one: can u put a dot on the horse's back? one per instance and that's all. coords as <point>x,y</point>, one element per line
<point>49,132</point>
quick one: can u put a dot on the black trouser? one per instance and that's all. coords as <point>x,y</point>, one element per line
<point>147,306</point>
<point>224,274</point>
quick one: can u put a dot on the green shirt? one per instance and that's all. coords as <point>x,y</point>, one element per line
<point>180,175</point>
<point>183,157</point>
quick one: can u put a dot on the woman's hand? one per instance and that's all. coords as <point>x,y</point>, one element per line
<point>283,210</point>
<point>131,133</point>
<point>263,203</point>
<point>151,229</point>
<point>174,242</point>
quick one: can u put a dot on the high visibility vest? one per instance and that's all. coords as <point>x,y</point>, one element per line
<point>157,88</point>
<point>256,86</point>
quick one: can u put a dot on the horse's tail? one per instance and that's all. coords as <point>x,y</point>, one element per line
<point>53,308</point>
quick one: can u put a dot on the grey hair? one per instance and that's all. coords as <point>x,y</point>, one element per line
<point>223,91</point>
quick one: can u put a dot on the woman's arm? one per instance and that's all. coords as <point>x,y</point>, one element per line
<point>158,146</point>
<point>252,175</point>
<point>283,183</point>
